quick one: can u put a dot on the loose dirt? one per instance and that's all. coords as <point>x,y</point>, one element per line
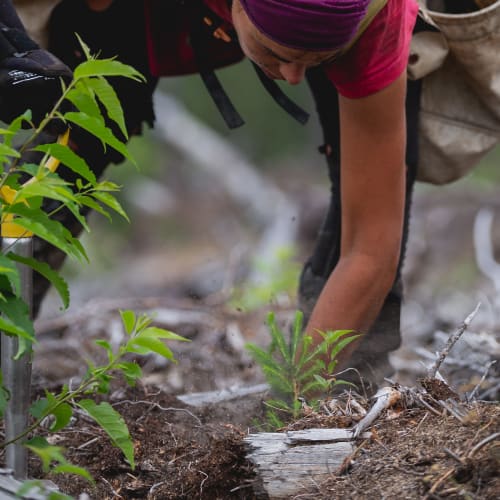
<point>189,453</point>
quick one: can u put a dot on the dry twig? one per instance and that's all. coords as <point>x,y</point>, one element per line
<point>482,443</point>
<point>451,342</point>
<point>483,378</point>
<point>386,397</point>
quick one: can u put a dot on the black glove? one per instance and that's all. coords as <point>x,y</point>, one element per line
<point>30,77</point>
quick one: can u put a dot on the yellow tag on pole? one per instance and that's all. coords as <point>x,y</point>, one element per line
<point>8,228</point>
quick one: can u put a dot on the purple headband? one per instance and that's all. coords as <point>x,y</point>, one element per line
<point>307,24</point>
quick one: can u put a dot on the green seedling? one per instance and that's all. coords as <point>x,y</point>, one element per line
<point>295,369</point>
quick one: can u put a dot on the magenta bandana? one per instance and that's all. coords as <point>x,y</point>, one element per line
<point>307,24</point>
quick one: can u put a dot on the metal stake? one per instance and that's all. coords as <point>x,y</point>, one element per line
<point>17,373</point>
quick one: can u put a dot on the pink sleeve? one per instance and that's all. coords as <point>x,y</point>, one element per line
<point>380,55</point>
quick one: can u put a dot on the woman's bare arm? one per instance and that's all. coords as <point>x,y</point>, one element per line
<point>373,171</point>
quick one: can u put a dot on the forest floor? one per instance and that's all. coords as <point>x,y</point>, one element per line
<point>197,452</point>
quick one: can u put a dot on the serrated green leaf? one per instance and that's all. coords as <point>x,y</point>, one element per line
<point>111,202</point>
<point>8,153</point>
<point>68,468</point>
<point>84,46</point>
<point>113,424</point>
<point>137,349</point>
<point>161,333</point>
<point>74,208</point>
<point>344,382</point>
<point>128,320</point>
<point>107,186</point>
<point>47,272</point>
<point>46,452</point>
<point>332,336</point>
<point>96,128</point>
<point>316,367</point>
<point>91,203</point>
<point>17,123</point>
<point>16,319</point>
<point>50,230</point>
<point>106,67</point>
<point>143,321</point>
<point>106,345</point>
<point>45,189</point>
<point>322,381</point>
<point>320,350</point>
<point>331,366</point>
<point>103,384</point>
<point>109,99</point>
<point>11,272</point>
<point>31,169</point>
<point>154,345</point>
<point>131,371</point>
<point>62,414</point>
<point>341,344</point>
<point>84,100</point>
<point>39,407</point>
<point>70,159</point>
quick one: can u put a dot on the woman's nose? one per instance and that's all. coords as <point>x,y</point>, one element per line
<point>292,72</point>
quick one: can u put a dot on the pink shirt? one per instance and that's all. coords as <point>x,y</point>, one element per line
<point>381,54</point>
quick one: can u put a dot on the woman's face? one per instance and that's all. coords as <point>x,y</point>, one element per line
<point>277,61</point>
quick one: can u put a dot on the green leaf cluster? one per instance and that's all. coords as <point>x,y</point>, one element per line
<point>295,368</point>
<point>58,409</point>
<point>24,187</point>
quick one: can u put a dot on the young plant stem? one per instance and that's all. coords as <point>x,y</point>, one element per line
<point>65,399</point>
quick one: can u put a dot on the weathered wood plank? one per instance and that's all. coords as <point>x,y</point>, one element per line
<point>287,462</point>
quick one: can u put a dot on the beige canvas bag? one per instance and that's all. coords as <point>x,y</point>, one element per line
<point>460,102</point>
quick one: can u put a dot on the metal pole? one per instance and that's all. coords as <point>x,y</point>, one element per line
<point>17,373</point>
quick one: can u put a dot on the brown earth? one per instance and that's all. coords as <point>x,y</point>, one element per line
<point>186,453</point>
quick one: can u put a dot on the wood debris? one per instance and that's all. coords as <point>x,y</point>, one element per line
<point>287,462</point>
